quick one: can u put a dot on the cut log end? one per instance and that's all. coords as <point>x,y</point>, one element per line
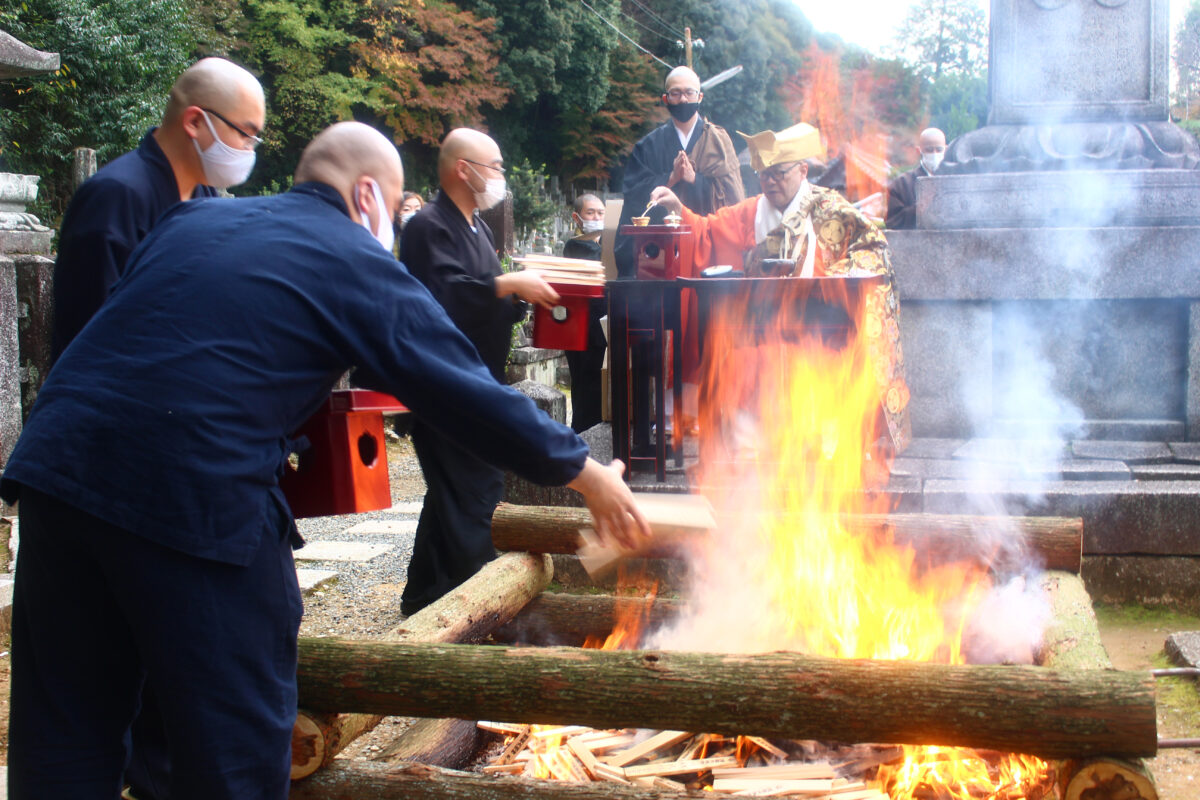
<point>308,747</point>
<point>1111,780</point>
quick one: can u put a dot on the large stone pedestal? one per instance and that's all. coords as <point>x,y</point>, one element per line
<point>1073,331</point>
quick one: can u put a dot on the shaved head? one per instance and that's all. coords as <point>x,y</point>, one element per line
<point>683,78</point>
<point>343,152</point>
<point>465,143</point>
<point>214,83</point>
<point>932,140</point>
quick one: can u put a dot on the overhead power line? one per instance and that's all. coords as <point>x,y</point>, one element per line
<point>659,19</point>
<point>623,35</point>
<point>646,27</point>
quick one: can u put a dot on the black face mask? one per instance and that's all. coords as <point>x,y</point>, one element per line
<point>682,112</point>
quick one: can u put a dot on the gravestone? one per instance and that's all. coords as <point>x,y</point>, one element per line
<point>24,245</point>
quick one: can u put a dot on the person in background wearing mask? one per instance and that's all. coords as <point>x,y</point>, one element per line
<point>687,153</point>
<point>159,545</point>
<point>409,207</point>
<point>902,190</point>
<point>450,249</point>
<point>586,365</point>
<point>210,129</point>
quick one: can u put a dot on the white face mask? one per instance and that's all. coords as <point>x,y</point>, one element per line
<point>932,161</point>
<point>224,166</point>
<point>383,233</point>
<point>494,191</point>
<point>591,225</point>
<point>406,216</point>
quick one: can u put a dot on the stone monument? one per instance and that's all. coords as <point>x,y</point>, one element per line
<point>1067,223</point>
<point>25,270</point>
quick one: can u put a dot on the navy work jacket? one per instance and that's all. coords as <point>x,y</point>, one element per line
<point>107,218</point>
<point>169,414</point>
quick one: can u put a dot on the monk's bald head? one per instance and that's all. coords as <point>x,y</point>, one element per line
<point>682,78</point>
<point>469,145</point>
<point>221,85</point>
<point>344,152</point>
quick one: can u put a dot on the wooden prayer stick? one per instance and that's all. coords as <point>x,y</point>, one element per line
<point>490,598</point>
<point>1053,542</point>
<point>1051,713</point>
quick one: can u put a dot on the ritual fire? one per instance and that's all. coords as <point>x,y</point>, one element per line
<point>793,444</point>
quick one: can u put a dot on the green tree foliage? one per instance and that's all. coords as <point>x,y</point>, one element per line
<point>958,103</point>
<point>119,58</point>
<point>532,205</point>
<point>944,36</point>
<point>1187,60</point>
<point>555,59</point>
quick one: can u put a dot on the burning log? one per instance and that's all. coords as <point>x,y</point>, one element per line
<point>1057,542</point>
<point>403,782</point>
<point>1051,713</point>
<point>570,619</point>
<point>487,600</point>
<point>1072,641</point>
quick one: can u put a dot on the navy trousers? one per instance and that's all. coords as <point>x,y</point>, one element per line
<point>98,611</point>
<point>454,534</point>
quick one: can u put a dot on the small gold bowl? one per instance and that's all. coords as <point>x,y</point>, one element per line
<point>640,222</point>
<point>673,219</point>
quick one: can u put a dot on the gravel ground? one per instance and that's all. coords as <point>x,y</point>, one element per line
<point>364,599</point>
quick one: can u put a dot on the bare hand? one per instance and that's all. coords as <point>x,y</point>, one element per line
<point>616,517</point>
<point>528,286</point>
<point>667,199</point>
<point>683,169</point>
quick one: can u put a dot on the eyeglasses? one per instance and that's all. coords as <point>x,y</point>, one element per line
<point>775,175</point>
<point>255,141</point>
<point>489,166</point>
<point>681,94</point>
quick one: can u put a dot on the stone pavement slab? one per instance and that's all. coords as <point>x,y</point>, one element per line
<point>340,551</point>
<point>310,579</point>
<point>1129,452</point>
<point>1166,472</point>
<point>932,448</point>
<point>410,507</point>
<point>1067,469</point>
<point>6,598</point>
<point>385,526</point>
<point>1188,452</point>
<point>1013,450</point>
<point>1184,648</point>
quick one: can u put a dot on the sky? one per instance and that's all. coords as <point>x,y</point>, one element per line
<point>872,23</point>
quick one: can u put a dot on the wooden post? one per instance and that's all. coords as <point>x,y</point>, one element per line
<point>1050,713</point>
<point>687,47</point>
<point>490,598</point>
<point>1054,542</point>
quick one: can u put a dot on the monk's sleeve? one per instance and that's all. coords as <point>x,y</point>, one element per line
<point>865,249</point>
<point>723,236</point>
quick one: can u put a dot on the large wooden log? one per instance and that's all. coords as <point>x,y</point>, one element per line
<point>557,618</point>
<point>1044,712</point>
<point>490,598</point>
<point>1003,542</point>
<point>1072,641</point>
<point>366,781</point>
<point>451,743</point>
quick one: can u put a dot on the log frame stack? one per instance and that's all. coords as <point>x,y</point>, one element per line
<point>1080,678</point>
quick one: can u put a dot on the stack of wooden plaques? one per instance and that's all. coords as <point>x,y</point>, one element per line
<point>575,271</point>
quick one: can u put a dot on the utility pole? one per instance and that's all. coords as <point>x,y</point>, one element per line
<point>687,47</point>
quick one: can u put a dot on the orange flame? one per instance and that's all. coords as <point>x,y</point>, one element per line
<point>792,441</point>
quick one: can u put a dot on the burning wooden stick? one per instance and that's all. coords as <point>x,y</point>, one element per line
<point>1051,713</point>
<point>492,597</point>
<point>1055,542</point>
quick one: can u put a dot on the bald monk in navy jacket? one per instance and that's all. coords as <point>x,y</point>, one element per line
<point>154,536</point>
